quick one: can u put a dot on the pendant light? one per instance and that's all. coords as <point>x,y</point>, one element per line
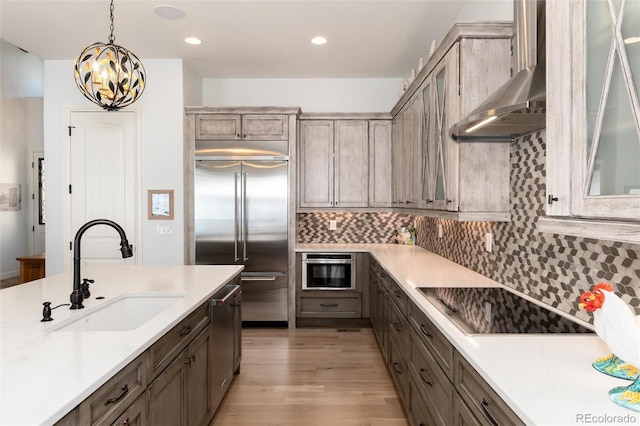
<point>109,75</point>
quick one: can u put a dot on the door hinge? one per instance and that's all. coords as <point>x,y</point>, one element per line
<point>71,127</point>
<point>33,196</point>
<point>70,245</point>
<point>69,188</point>
<point>33,229</point>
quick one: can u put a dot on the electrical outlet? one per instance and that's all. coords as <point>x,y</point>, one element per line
<point>488,242</point>
<point>487,312</point>
<point>333,225</point>
<point>440,233</point>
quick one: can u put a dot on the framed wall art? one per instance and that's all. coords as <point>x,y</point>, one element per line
<point>160,204</point>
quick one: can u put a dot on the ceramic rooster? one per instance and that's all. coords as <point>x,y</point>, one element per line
<point>616,324</point>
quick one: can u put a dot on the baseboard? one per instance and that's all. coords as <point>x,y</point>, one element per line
<point>10,274</point>
<point>334,322</point>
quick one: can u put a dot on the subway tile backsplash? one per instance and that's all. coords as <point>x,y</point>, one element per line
<point>554,269</point>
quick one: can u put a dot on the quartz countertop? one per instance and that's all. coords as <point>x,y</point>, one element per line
<point>45,373</point>
<point>546,379</point>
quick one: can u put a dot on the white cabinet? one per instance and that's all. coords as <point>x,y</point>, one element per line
<point>445,178</point>
<point>593,124</point>
<point>344,163</point>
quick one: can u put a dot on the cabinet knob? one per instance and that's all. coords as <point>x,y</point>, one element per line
<point>449,201</point>
<point>551,199</point>
<point>237,135</point>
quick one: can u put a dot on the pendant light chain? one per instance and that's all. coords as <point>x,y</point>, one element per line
<point>112,38</point>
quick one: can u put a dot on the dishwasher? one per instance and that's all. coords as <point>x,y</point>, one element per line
<point>226,318</point>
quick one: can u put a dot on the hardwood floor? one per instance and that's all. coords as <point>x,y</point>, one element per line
<point>311,376</point>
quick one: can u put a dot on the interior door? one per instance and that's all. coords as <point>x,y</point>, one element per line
<point>103,182</point>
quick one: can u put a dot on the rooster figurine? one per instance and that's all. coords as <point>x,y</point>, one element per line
<point>615,323</point>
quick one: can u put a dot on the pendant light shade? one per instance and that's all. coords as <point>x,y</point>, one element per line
<point>109,75</point>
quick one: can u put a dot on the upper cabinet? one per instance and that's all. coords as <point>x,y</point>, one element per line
<point>593,119</point>
<point>432,172</point>
<point>242,127</point>
<point>344,161</point>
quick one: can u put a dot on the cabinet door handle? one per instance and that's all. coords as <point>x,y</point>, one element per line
<point>396,294</point>
<point>126,422</point>
<point>425,332</point>
<point>396,367</point>
<point>190,359</point>
<point>484,406</point>
<point>397,327</point>
<point>113,400</point>
<point>185,331</point>
<point>428,382</point>
<point>328,305</point>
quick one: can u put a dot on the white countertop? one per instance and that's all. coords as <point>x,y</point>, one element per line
<point>44,374</point>
<point>546,379</point>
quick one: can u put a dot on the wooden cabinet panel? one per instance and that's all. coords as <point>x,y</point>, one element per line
<point>167,397</point>
<point>336,304</point>
<point>135,415</point>
<point>71,419</point>
<point>399,328</point>
<point>438,345</point>
<point>399,297</point>
<point>462,415</point>
<point>485,404</point>
<point>351,163</point>
<point>106,404</point>
<point>419,414</point>
<point>218,127</point>
<point>265,127</point>
<point>198,391</point>
<point>399,371</point>
<point>380,163</point>
<point>316,164</point>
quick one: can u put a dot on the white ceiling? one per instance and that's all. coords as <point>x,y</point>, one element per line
<point>251,39</point>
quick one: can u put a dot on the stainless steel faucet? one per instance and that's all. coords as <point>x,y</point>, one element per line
<point>126,250</point>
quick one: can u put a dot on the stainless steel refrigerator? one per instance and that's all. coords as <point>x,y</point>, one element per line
<point>241,218</point>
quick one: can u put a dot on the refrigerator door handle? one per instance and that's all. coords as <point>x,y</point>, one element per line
<point>245,216</point>
<point>235,215</point>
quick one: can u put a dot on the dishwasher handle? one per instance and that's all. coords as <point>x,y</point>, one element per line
<point>231,291</point>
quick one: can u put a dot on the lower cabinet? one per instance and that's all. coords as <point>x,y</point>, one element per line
<point>169,384</point>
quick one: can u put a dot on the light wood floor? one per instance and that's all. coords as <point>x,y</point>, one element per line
<point>308,376</point>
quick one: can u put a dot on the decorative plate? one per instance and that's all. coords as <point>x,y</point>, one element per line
<point>404,85</point>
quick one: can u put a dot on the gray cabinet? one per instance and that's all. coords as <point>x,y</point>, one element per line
<point>380,163</point>
<point>135,415</point>
<point>242,127</point>
<point>334,164</point>
<point>448,179</point>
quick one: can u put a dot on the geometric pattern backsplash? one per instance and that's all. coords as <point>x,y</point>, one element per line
<point>352,228</point>
<point>552,268</point>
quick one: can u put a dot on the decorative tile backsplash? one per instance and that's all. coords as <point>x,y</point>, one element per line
<point>352,228</point>
<point>554,269</point>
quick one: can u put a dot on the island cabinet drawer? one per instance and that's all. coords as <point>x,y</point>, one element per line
<point>106,404</point>
<point>483,402</point>
<point>339,305</point>
<point>399,297</point>
<point>171,344</point>
<point>399,370</point>
<point>380,273</point>
<point>399,328</point>
<point>431,383</point>
<point>135,415</point>
<point>419,414</point>
<point>435,342</point>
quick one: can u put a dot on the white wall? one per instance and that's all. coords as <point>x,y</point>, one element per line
<point>20,90</point>
<point>161,118</point>
<point>192,87</point>
<point>311,94</point>
<point>487,10</point>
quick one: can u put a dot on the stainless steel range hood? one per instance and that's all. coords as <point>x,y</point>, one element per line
<point>519,106</point>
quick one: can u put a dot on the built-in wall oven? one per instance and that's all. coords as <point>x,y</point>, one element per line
<point>328,271</point>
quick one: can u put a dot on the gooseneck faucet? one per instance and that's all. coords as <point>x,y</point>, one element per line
<point>126,250</point>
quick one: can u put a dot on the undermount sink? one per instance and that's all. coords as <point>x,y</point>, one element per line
<point>126,312</point>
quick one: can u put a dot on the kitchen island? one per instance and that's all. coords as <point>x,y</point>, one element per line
<point>46,371</point>
<point>545,379</point>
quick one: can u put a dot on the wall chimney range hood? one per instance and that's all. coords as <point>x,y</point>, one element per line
<point>519,106</point>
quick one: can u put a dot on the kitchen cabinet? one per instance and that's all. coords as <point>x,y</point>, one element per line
<point>449,179</point>
<point>593,124</point>
<point>242,127</point>
<point>380,143</point>
<point>334,166</point>
<point>135,415</point>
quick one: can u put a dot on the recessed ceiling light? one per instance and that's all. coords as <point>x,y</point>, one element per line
<point>192,40</point>
<point>632,40</point>
<point>319,40</point>
<point>169,12</point>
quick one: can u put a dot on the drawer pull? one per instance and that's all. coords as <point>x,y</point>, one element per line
<point>422,370</point>
<point>126,422</point>
<point>396,367</point>
<point>396,294</point>
<point>185,331</point>
<point>328,305</point>
<point>425,332</point>
<point>191,359</point>
<point>113,400</point>
<point>484,406</point>
<point>396,327</point>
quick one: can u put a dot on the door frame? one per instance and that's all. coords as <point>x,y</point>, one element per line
<point>68,233</point>
<point>33,203</point>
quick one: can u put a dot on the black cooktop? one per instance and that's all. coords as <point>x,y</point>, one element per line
<point>496,310</point>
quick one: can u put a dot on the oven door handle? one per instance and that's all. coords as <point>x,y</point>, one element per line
<point>329,262</point>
